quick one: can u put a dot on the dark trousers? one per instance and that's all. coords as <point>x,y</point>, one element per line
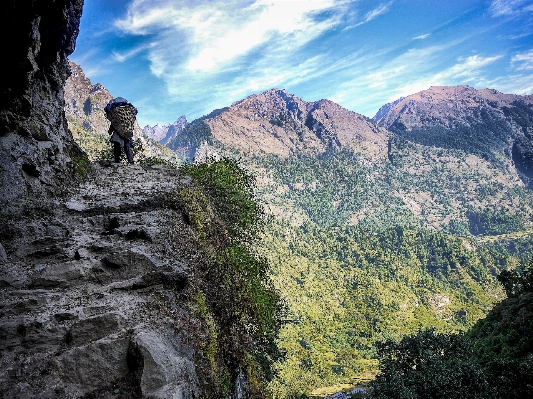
<point>117,150</point>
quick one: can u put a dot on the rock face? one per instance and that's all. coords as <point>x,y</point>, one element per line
<point>484,122</point>
<point>93,292</point>
<point>276,122</point>
<point>166,133</point>
<point>85,102</point>
<point>36,147</point>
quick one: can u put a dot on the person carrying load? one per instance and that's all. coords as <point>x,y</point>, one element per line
<point>121,114</point>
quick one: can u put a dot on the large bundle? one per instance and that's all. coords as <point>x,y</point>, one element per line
<point>123,120</point>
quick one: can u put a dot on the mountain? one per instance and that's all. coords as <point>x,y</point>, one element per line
<point>376,230</point>
<point>484,122</point>
<point>85,102</point>
<point>447,106</point>
<point>384,109</point>
<point>279,123</point>
<point>164,134</point>
<point>437,185</point>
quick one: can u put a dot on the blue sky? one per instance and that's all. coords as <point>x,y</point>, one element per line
<point>189,57</point>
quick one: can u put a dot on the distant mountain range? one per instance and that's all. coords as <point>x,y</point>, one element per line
<point>164,134</point>
<point>480,141</point>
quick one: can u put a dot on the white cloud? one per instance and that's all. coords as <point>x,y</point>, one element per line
<point>410,72</point>
<point>369,16</point>
<point>510,8</point>
<point>422,37</point>
<point>196,43</point>
<point>517,84</point>
<point>123,56</point>
<point>376,12</point>
<point>524,61</point>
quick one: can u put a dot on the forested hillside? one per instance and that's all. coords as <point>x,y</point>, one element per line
<point>375,234</point>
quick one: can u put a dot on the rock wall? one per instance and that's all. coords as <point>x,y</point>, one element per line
<point>36,147</point>
<point>94,294</point>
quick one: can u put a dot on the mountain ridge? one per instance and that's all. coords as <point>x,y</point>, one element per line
<point>165,133</point>
<point>277,122</point>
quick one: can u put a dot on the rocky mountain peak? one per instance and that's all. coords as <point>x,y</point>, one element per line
<point>85,102</point>
<point>164,134</point>
<point>277,122</point>
<point>445,105</point>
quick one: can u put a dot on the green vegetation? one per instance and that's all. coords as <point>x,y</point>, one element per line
<point>356,265</point>
<point>428,365</point>
<point>80,168</point>
<point>493,221</point>
<point>220,206</point>
<point>231,191</point>
<point>367,249</point>
<point>483,134</point>
<point>493,360</point>
<point>347,289</point>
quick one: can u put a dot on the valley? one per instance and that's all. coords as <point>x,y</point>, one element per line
<point>378,227</point>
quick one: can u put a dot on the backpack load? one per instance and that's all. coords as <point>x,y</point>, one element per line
<point>121,114</point>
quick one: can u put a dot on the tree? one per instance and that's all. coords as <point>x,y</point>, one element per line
<point>429,365</point>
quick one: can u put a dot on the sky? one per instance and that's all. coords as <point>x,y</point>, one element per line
<point>189,57</point>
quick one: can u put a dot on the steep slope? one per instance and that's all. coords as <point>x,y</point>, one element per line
<point>447,106</point>
<point>276,122</point>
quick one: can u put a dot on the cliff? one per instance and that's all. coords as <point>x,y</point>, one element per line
<point>36,148</point>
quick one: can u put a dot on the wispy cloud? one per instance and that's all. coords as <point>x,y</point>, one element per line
<point>422,37</point>
<point>376,12</point>
<point>410,72</point>
<point>523,61</point>
<point>196,44</point>
<point>126,55</point>
<point>510,8</point>
<point>373,14</point>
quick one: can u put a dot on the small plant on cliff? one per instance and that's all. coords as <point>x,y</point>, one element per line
<point>80,168</point>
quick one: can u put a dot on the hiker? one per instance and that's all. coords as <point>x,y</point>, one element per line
<point>121,114</point>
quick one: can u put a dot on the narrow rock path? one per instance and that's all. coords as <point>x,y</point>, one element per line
<point>91,292</point>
